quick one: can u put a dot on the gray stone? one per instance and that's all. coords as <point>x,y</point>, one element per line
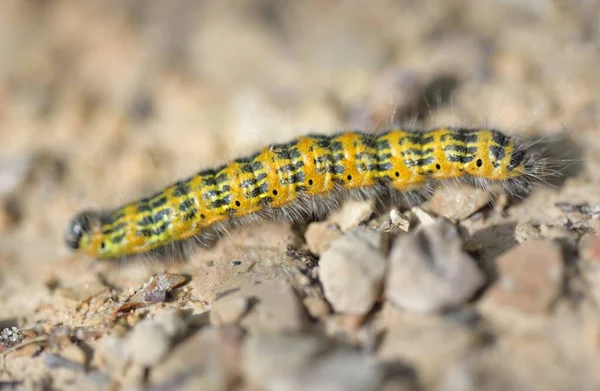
<point>429,271</point>
<point>352,271</point>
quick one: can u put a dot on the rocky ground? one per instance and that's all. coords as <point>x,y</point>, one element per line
<point>104,102</point>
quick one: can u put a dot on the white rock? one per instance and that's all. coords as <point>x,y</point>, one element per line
<point>352,271</point>
<point>148,343</point>
<point>429,271</point>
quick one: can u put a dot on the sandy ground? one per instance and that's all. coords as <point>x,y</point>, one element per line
<point>105,102</point>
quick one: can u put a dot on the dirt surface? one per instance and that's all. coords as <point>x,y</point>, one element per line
<point>102,102</point>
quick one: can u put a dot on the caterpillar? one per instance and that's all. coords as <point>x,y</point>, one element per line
<point>303,177</point>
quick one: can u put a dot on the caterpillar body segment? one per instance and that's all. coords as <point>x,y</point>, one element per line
<point>295,180</point>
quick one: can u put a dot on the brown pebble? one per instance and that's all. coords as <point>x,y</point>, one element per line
<point>320,235</point>
<point>352,214</point>
<point>529,279</point>
<point>457,203</point>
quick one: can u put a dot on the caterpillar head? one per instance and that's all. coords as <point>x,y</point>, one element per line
<point>83,231</point>
<point>499,162</point>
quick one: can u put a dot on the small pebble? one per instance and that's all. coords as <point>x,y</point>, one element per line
<point>172,323</point>
<point>527,231</point>
<point>151,339</point>
<point>10,337</point>
<point>148,343</point>
<point>429,271</point>
<point>110,353</point>
<point>352,272</point>
<point>399,221</point>
<point>319,236</point>
<point>352,214</point>
<point>457,203</point>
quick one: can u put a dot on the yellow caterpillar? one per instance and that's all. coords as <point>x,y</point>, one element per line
<point>298,179</point>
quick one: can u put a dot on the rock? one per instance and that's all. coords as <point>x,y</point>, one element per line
<point>268,357</point>
<point>150,340</point>
<point>352,214</point>
<point>110,353</point>
<point>148,343</point>
<point>529,280</point>
<point>229,309</point>
<point>457,203</point>
<point>172,323</point>
<point>290,362</point>
<point>270,299</point>
<point>320,235</point>
<point>254,248</point>
<point>208,360</point>
<point>277,307</point>
<point>157,288</point>
<point>430,343</point>
<point>10,336</point>
<point>517,363</point>
<point>340,370</point>
<point>352,271</point>
<point>399,221</point>
<point>378,240</point>
<point>429,271</point>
